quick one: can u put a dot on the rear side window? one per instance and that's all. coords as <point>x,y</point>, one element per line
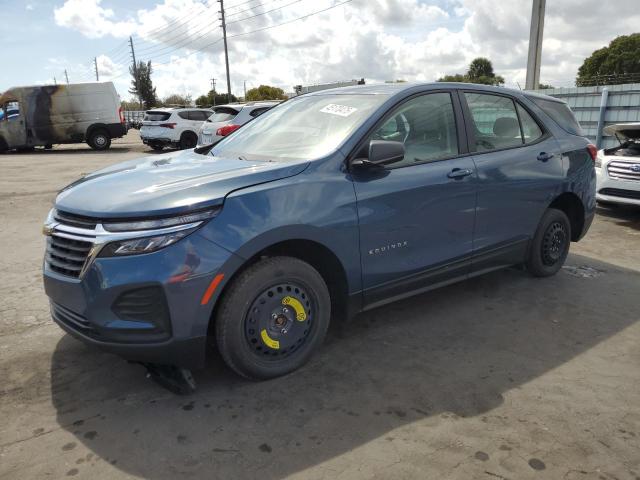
<point>530,128</point>
<point>258,111</point>
<point>197,115</point>
<point>223,114</point>
<point>495,120</point>
<point>157,116</point>
<point>561,114</point>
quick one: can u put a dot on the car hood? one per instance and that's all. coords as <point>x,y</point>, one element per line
<point>623,131</point>
<point>171,183</point>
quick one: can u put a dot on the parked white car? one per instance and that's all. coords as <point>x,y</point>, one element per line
<point>228,118</point>
<point>618,168</point>
<point>173,127</point>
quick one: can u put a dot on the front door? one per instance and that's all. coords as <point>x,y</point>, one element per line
<point>417,216</point>
<point>12,126</point>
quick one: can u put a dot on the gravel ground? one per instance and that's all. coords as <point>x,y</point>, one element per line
<point>499,377</point>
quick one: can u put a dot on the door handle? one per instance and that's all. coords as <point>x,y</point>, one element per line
<point>544,156</point>
<point>458,173</point>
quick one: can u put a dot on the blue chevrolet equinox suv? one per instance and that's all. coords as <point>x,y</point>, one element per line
<point>329,204</point>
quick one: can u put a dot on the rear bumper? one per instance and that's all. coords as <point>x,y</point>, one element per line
<point>165,142</point>
<point>89,309</point>
<point>117,130</point>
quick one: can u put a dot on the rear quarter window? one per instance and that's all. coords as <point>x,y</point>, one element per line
<point>561,114</point>
<point>157,116</point>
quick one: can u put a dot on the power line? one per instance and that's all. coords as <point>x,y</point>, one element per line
<point>260,30</point>
<point>264,13</point>
<point>154,50</point>
<point>250,9</point>
<point>239,4</point>
<point>177,20</point>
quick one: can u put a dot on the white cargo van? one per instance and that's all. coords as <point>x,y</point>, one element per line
<point>49,114</point>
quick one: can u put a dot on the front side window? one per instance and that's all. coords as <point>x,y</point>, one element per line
<point>10,111</point>
<point>426,126</point>
<point>495,120</point>
<point>304,128</point>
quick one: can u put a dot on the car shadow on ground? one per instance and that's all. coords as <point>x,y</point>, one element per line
<point>623,215</point>
<point>453,352</point>
<point>115,148</point>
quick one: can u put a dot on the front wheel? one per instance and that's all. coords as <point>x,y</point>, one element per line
<point>273,317</point>
<point>550,245</point>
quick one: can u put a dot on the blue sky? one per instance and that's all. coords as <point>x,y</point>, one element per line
<point>376,39</point>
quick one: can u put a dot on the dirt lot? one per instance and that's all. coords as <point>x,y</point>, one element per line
<point>500,377</point>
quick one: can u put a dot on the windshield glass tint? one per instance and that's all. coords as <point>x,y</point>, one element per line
<point>304,128</point>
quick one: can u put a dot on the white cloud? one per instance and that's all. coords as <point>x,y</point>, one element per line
<point>375,39</point>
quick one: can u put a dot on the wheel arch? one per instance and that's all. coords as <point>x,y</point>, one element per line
<point>96,126</point>
<point>573,208</point>
<point>319,256</point>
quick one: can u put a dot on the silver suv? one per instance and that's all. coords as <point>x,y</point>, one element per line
<point>228,118</point>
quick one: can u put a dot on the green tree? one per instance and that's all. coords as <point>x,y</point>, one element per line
<point>142,86</point>
<point>177,99</point>
<point>544,86</point>
<point>265,92</point>
<point>214,98</point>
<point>480,71</point>
<point>617,63</point>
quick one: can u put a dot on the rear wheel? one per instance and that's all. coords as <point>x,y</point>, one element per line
<point>550,245</point>
<point>99,139</point>
<point>188,140</point>
<point>3,146</point>
<point>272,318</point>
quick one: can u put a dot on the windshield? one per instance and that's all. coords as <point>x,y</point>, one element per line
<point>304,128</point>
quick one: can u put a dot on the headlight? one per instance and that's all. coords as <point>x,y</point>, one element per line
<point>160,222</point>
<point>146,236</point>
<point>143,245</point>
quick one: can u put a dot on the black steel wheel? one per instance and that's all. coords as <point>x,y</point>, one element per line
<point>273,317</point>
<point>550,245</point>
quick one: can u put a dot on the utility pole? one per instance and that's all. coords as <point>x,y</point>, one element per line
<point>535,44</point>
<point>226,51</point>
<point>135,70</point>
<point>245,90</point>
<point>95,62</point>
<point>55,82</point>
<point>213,88</point>
<point>66,76</point>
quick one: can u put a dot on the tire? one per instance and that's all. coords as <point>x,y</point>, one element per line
<point>48,146</point>
<point>4,148</point>
<point>157,148</point>
<point>550,245</point>
<point>274,295</point>
<point>99,139</point>
<point>188,140</point>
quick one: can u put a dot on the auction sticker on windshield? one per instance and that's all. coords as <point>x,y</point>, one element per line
<point>341,110</point>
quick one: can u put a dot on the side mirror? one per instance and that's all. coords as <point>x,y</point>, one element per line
<point>381,153</point>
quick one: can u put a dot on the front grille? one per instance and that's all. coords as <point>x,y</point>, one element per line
<point>624,170</point>
<point>67,256</point>
<point>72,320</point>
<point>69,244</point>
<point>619,192</point>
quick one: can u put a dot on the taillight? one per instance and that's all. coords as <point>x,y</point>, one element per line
<point>121,115</point>
<point>167,125</point>
<point>226,130</point>
<point>593,151</point>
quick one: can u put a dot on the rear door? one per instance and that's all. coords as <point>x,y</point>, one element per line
<point>519,167</point>
<point>416,217</point>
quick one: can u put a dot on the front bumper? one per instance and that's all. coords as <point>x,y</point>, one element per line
<point>626,192</point>
<point>88,307</point>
